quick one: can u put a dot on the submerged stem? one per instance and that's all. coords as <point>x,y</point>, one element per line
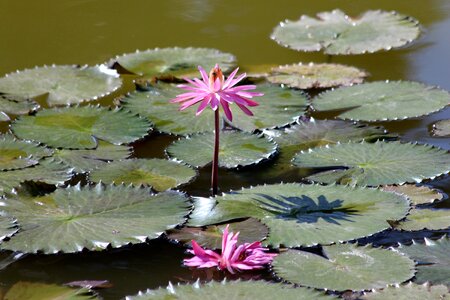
<point>215,162</point>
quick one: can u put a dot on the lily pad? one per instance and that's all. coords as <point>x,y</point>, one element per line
<point>235,149</point>
<point>261,290</point>
<point>178,62</point>
<point>375,164</point>
<point>250,230</point>
<point>344,267</point>
<point>8,226</point>
<point>80,127</point>
<point>16,154</point>
<point>16,106</point>
<point>160,174</point>
<point>432,219</point>
<point>87,160</point>
<point>433,261</point>
<point>38,291</point>
<point>63,84</point>
<point>306,215</point>
<point>409,291</point>
<point>278,107</point>
<point>75,218</point>
<point>442,128</point>
<point>308,76</point>
<point>383,100</point>
<point>336,33</point>
<point>154,105</point>
<point>417,194</point>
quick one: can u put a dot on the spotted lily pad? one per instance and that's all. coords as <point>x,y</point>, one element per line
<point>307,76</point>
<point>8,226</point>
<point>231,290</point>
<point>383,100</point>
<point>419,219</point>
<point>80,127</point>
<point>16,106</point>
<point>160,174</point>
<point>63,84</point>
<point>442,128</point>
<point>38,291</point>
<point>433,261</point>
<point>94,218</point>
<point>235,149</point>
<point>16,154</point>
<point>344,267</point>
<point>375,164</point>
<point>409,291</point>
<point>178,62</point>
<point>306,215</point>
<point>417,194</point>
<point>336,33</point>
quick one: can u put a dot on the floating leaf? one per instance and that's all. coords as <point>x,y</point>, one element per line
<point>178,62</point>
<point>417,194</point>
<point>432,219</point>
<point>375,164</point>
<point>38,291</point>
<point>15,105</point>
<point>277,108</point>
<point>261,290</point>
<point>154,104</point>
<point>432,258</point>
<point>80,127</point>
<point>160,174</point>
<point>250,230</point>
<point>75,218</point>
<point>64,84</point>
<point>409,291</point>
<point>336,33</point>
<point>235,149</point>
<point>8,226</point>
<point>16,154</point>
<point>441,128</point>
<point>306,215</point>
<point>87,160</point>
<point>383,100</point>
<point>307,76</point>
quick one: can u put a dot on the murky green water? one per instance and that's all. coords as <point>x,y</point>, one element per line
<point>93,31</point>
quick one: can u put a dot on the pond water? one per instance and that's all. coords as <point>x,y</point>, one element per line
<point>93,31</point>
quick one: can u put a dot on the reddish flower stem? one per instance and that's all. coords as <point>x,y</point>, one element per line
<point>215,162</point>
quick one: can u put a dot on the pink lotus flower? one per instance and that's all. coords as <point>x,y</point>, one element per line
<point>215,91</point>
<point>248,256</point>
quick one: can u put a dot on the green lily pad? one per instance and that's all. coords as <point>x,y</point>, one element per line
<point>433,261</point>
<point>383,100</point>
<point>94,218</point>
<point>442,128</point>
<point>432,219</point>
<point>154,105</point>
<point>278,107</point>
<point>160,174</point>
<point>178,62</point>
<point>409,291</point>
<point>261,290</point>
<point>8,226</point>
<point>336,33</point>
<point>16,106</point>
<point>41,291</point>
<point>375,164</point>
<point>16,154</point>
<point>417,194</point>
<point>80,127</point>
<point>235,149</point>
<point>64,84</point>
<point>306,215</point>
<point>307,76</point>
<point>344,267</point>
<point>87,160</point>
<point>250,230</point>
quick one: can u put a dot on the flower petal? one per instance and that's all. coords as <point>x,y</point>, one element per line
<point>227,110</point>
<point>230,78</point>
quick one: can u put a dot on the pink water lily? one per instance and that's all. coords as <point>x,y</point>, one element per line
<point>248,256</point>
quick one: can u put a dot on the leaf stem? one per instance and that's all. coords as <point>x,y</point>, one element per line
<point>215,162</point>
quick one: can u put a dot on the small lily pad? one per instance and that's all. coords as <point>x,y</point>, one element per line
<point>409,291</point>
<point>8,226</point>
<point>383,100</point>
<point>38,291</point>
<point>178,62</point>
<point>160,174</point>
<point>442,128</point>
<point>375,164</point>
<point>63,84</point>
<point>16,154</point>
<point>16,106</point>
<point>417,194</point>
<point>94,218</point>
<point>235,149</point>
<point>336,33</point>
<point>433,261</point>
<point>250,230</point>
<point>80,127</point>
<point>344,267</point>
<point>308,76</point>
<point>419,219</point>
